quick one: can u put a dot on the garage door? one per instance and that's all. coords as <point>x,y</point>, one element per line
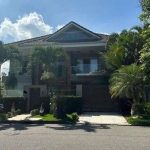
<point>97,98</point>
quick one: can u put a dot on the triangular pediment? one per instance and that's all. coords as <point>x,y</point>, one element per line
<point>73,32</point>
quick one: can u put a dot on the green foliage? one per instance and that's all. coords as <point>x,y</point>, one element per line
<point>127,80</point>
<point>51,118</point>
<point>145,6</point>
<point>142,108</point>
<point>114,57</point>
<point>1,108</point>
<point>11,82</point>
<point>139,109</point>
<point>48,77</point>
<point>9,52</point>
<point>75,116</point>
<point>123,48</point>
<point>2,117</point>
<point>47,57</point>
<point>58,106</point>
<point>18,111</point>
<point>9,115</point>
<point>34,112</point>
<point>138,121</point>
<point>145,53</point>
<point>69,103</point>
<point>19,102</point>
<point>14,113</point>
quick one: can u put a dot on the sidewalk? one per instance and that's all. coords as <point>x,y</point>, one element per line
<point>102,118</point>
<point>23,118</point>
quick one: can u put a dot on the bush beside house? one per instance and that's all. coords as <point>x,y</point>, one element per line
<point>141,114</point>
<point>66,104</point>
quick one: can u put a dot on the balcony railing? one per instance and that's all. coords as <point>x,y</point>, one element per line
<point>86,68</point>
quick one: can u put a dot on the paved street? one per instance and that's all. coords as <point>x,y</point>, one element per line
<point>74,137</point>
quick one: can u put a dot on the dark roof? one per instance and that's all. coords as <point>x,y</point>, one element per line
<point>43,39</point>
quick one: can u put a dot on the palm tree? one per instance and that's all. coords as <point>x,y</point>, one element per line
<point>124,48</point>
<point>128,80</point>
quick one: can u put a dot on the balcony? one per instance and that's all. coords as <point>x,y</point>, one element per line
<point>85,69</point>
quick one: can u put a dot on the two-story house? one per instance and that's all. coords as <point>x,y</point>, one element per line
<point>83,47</point>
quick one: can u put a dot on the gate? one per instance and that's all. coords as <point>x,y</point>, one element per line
<point>34,98</point>
<point>97,98</point>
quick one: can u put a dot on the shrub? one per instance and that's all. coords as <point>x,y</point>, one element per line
<point>69,103</point>
<point>138,121</point>
<point>139,109</point>
<point>18,111</point>
<point>75,116</point>
<point>1,108</point>
<point>34,112</point>
<point>142,108</point>
<point>2,117</point>
<point>147,108</point>
<point>14,113</point>
<point>9,115</point>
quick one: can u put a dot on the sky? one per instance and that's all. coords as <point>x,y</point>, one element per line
<point>23,19</point>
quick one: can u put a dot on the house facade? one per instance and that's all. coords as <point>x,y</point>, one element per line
<point>83,48</point>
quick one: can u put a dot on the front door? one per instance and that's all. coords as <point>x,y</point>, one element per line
<point>34,98</point>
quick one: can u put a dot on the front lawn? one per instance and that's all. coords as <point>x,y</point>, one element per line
<point>143,120</point>
<point>49,117</point>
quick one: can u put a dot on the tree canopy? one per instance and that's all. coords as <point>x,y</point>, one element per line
<point>9,52</point>
<point>48,59</point>
<point>145,6</point>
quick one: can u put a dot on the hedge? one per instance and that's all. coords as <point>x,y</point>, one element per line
<point>73,104</point>
<point>19,103</point>
<point>69,103</point>
<point>142,108</point>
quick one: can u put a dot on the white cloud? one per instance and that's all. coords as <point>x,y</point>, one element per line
<point>28,26</point>
<point>60,26</point>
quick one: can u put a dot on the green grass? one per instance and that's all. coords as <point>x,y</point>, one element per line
<point>144,120</point>
<point>49,117</point>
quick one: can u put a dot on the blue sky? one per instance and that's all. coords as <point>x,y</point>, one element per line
<point>22,19</point>
<point>105,16</point>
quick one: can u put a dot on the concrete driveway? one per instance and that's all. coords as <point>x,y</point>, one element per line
<point>102,118</point>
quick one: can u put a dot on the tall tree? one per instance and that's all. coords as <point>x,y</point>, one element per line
<point>48,58</point>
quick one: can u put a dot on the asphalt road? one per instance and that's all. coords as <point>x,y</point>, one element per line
<point>73,137</point>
